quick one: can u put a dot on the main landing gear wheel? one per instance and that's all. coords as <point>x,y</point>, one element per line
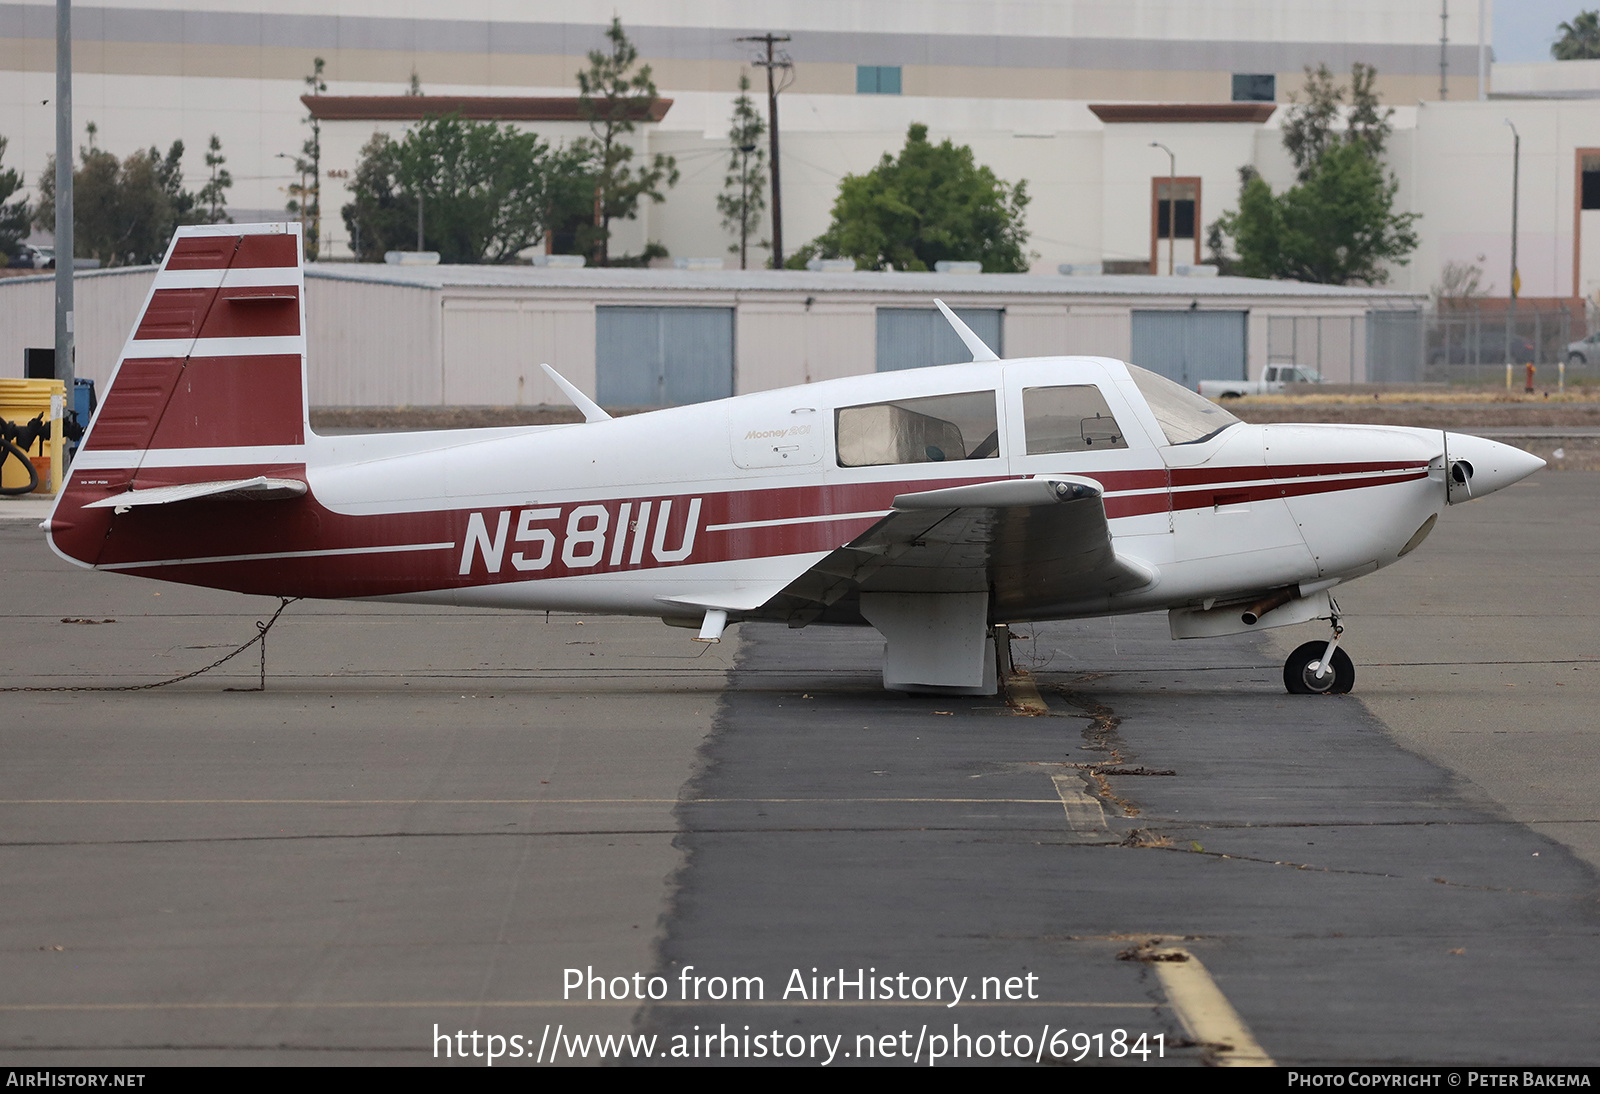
<point>1301,678</point>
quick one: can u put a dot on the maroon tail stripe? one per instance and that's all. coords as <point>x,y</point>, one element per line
<point>237,252</point>
<point>231,401</point>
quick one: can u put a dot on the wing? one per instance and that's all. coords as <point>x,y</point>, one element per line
<point>1041,546</point>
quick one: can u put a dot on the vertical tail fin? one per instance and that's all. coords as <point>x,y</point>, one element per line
<point>211,382</point>
<point>217,357</point>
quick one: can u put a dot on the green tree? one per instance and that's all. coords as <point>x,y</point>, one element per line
<point>1308,125</point>
<point>305,196</point>
<point>124,212</point>
<point>383,216</point>
<point>933,203</point>
<point>1336,228</point>
<point>487,191</point>
<point>1337,225</point>
<point>1580,39</point>
<point>14,217</point>
<point>214,194</point>
<point>744,193</point>
<point>612,97</point>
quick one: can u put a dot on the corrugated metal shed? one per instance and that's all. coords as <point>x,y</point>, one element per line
<point>475,335</point>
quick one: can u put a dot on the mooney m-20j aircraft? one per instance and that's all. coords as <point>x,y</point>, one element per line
<point>932,504</point>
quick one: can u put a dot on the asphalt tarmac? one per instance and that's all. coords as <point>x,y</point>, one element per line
<point>430,815</point>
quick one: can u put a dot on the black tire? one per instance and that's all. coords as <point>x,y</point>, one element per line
<point>1576,359</point>
<point>1299,680</point>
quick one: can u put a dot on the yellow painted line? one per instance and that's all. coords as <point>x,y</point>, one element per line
<point>1205,1012</point>
<point>1023,694</point>
<point>1085,816</point>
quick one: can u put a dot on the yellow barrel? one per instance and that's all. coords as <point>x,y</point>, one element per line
<point>21,401</point>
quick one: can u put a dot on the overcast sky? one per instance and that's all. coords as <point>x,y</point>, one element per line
<point>1524,29</point>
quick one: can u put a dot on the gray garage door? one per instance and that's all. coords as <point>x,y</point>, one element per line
<point>663,356</point>
<point>1190,346</point>
<point>1394,347</point>
<point>914,337</point>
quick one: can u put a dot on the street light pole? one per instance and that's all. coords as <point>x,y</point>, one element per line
<point>1172,206</point>
<point>744,199</point>
<point>1516,168</point>
<point>65,246</point>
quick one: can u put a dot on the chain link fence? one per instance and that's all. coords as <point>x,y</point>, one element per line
<point>1457,345</point>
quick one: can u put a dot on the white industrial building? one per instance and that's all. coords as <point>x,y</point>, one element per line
<point>1069,95</point>
<point>1038,88</point>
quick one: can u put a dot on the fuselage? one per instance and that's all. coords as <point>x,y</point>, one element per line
<point>726,502</point>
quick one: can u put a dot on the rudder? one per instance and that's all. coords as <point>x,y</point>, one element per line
<point>210,384</point>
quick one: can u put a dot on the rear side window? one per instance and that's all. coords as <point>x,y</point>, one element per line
<point>931,430</point>
<point>1069,419</point>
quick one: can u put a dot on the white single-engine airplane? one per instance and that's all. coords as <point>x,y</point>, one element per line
<point>931,504</point>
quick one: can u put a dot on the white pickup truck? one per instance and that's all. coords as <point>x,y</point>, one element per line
<point>1273,379</point>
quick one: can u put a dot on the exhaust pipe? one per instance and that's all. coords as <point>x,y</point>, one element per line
<point>1252,615</point>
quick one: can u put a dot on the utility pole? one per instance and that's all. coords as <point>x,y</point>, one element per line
<point>774,60</point>
<point>1516,284</point>
<point>65,248</point>
<point>1172,207</point>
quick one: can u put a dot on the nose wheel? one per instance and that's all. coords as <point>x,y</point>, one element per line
<point>1320,668</point>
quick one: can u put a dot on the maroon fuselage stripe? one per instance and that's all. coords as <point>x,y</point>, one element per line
<point>220,529</point>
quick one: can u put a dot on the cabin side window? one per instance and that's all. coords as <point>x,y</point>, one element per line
<point>1069,419</point>
<point>931,430</point>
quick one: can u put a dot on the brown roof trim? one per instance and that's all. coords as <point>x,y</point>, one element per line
<point>1183,112</point>
<point>489,108</point>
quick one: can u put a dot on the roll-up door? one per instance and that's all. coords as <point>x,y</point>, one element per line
<point>915,337</point>
<point>663,356</point>
<point>1190,346</point>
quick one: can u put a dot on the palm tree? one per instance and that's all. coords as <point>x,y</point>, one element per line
<point>1580,39</point>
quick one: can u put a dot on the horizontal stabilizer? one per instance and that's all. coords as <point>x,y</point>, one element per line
<point>259,488</point>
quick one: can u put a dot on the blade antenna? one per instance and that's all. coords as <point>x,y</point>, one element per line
<point>591,409</point>
<point>980,352</point>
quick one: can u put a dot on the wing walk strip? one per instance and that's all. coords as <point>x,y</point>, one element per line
<point>784,521</point>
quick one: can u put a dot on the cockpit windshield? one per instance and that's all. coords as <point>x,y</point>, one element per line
<point>1185,416</point>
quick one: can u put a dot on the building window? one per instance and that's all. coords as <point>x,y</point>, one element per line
<point>1591,181</point>
<point>1174,208</point>
<point>1249,87</point>
<point>877,79</point>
